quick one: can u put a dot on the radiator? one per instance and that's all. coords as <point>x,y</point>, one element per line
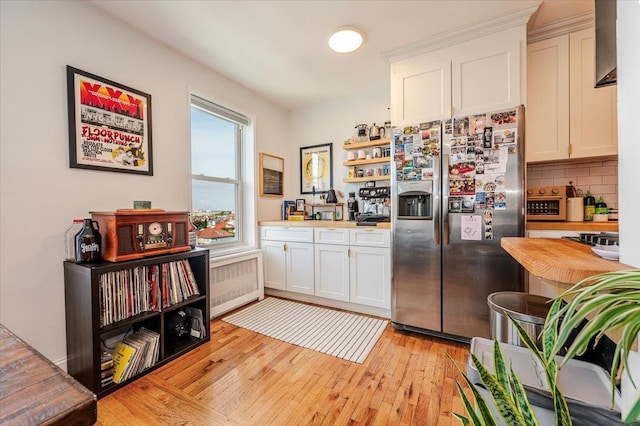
<point>235,280</point>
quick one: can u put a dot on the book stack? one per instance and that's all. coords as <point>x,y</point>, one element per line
<point>126,293</point>
<point>106,368</point>
<point>135,353</point>
<point>178,282</point>
<point>129,292</point>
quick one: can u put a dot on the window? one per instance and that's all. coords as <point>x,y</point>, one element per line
<point>218,155</point>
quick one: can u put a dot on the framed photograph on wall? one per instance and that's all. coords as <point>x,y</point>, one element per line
<point>271,175</point>
<point>109,125</point>
<point>316,168</point>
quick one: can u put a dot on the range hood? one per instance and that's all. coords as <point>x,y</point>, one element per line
<point>605,17</point>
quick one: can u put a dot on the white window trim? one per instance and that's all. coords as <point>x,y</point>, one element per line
<point>248,200</point>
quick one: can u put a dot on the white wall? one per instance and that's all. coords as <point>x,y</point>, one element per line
<point>628,40</point>
<point>334,122</point>
<point>40,194</point>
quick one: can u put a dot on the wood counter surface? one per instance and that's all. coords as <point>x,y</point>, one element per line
<point>610,226</point>
<point>322,224</point>
<point>559,260</point>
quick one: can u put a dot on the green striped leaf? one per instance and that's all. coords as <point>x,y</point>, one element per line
<point>500,368</point>
<point>500,396</point>
<point>467,405</point>
<point>520,397</point>
<point>483,409</point>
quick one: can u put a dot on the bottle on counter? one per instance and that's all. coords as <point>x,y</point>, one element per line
<point>88,242</point>
<point>601,207</point>
<point>70,240</point>
<point>589,206</point>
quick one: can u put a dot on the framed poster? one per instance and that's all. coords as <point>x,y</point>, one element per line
<point>109,125</point>
<point>316,168</point>
<point>271,175</point>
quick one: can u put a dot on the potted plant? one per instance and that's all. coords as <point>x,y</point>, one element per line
<point>609,301</point>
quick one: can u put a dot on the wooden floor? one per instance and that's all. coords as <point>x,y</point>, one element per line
<point>243,378</point>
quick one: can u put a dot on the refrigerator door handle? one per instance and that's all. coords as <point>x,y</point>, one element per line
<point>444,175</point>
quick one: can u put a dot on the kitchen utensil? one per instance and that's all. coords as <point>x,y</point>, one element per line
<point>571,190</point>
<point>376,132</point>
<point>575,209</point>
<point>331,196</point>
<point>362,129</point>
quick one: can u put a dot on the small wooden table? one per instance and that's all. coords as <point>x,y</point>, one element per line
<point>34,391</point>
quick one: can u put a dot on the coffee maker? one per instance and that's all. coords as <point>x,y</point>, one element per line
<point>374,204</point>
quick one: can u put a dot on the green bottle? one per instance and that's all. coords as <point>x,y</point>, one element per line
<point>589,206</point>
<point>601,207</point>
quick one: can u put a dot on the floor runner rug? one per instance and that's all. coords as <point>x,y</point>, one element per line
<point>342,334</point>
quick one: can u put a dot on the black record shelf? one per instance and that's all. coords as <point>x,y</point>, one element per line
<point>83,310</point>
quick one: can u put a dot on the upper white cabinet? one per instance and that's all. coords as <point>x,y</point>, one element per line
<point>547,135</point>
<point>474,76</point>
<point>421,92</point>
<point>593,122</point>
<point>566,116</point>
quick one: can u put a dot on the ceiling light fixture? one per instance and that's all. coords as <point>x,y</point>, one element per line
<point>345,40</point>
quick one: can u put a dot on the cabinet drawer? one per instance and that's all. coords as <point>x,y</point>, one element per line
<point>284,233</point>
<point>370,237</point>
<point>331,236</point>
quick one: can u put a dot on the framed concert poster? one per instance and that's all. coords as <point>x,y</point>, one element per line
<point>109,125</point>
<point>316,168</point>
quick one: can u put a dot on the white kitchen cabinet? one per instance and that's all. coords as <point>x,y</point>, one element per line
<point>332,263</point>
<point>370,276</point>
<point>478,75</point>
<point>593,122</point>
<point>547,126</point>
<point>566,116</point>
<point>332,271</point>
<point>288,258</point>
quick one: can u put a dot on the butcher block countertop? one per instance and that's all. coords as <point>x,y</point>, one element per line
<point>558,260</point>
<point>611,226</point>
<point>322,224</point>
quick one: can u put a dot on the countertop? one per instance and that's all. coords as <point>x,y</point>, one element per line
<point>558,260</point>
<point>610,226</point>
<point>322,224</point>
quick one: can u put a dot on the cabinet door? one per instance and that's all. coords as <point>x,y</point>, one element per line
<point>420,92</point>
<point>547,127</point>
<point>299,267</point>
<point>274,264</point>
<point>486,79</point>
<point>332,271</point>
<point>370,277</point>
<point>593,120</point>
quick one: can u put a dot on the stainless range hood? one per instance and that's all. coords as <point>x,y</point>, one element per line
<point>605,17</point>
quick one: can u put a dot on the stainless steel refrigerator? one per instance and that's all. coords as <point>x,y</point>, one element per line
<point>458,189</point>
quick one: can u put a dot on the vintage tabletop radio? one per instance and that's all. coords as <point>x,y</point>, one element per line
<point>136,233</point>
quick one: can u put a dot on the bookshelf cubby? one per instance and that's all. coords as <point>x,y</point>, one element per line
<point>86,307</point>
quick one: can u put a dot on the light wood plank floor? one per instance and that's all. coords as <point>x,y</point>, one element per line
<point>243,378</point>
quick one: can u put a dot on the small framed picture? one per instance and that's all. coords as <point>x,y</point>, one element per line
<point>300,204</point>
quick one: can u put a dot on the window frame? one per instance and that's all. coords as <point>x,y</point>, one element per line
<point>245,154</point>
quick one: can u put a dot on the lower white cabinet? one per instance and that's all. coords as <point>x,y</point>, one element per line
<point>370,276</point>
<point>288,265</point>
<point>348,265</point>
<point>332,271</point>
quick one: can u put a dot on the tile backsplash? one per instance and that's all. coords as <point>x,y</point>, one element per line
<point>599,177</point>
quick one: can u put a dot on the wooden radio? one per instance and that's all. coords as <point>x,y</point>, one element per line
<point>129,234</point>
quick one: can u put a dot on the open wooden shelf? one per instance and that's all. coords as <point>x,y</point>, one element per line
<point>366,179</point>
<point>364,162</point>
<point>367,144</point>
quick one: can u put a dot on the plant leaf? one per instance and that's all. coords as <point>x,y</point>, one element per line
<point>500,368</point>
<point>501,397</point>
<point>520,397</point>
<point>485,412</point>
<point>468,407</point>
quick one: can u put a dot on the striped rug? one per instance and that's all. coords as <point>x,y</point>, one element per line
<point>341,334</point>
